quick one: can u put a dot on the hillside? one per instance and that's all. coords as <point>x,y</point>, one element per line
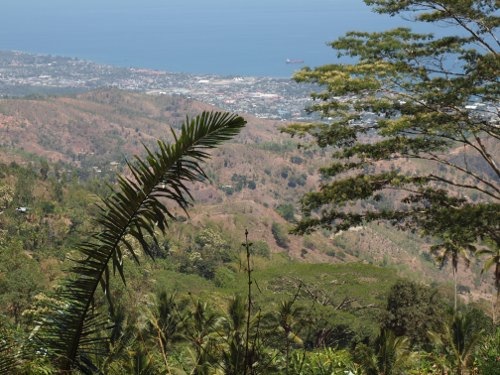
<point>255,181</point>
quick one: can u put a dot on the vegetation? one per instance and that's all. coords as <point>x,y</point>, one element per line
<point>413,127</point>
<point>195,303</point>
<point>280,235</point>
<point>304,318</point>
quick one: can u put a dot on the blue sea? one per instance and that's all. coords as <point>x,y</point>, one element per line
<point>225,37</point>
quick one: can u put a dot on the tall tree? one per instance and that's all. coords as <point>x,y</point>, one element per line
<point>450,250</point>
<point>413,310</point>
<point>412,122</point>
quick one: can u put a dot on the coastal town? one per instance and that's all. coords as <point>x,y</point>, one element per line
<point>23,74</point>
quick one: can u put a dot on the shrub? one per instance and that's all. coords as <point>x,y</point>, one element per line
<point>488,354</point>
<point>287,211</point>
<point>280,235</point>
<point>261,248</point>
<point>223,277</point>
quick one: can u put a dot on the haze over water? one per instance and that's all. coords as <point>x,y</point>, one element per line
<point>225,37</point>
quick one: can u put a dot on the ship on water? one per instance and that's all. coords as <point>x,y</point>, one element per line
<point>294,61</point>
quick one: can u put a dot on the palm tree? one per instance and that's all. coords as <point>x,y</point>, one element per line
<point>493,258</point>
<point>242,350</point>
<point>70,335</point>
<point>203,332</point>
<point>458,341</point>
<point>234,357</point>
<point>453,250</point>
<point>390,355</point>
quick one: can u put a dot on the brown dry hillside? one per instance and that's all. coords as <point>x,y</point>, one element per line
<point>250,177</point>
<point>104,122</point>
<point>261,168</point>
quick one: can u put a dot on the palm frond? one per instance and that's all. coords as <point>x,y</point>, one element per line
<point>8,359</point>
<point>131,213</point>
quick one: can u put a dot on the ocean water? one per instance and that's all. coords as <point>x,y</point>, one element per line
<point>226,37</point>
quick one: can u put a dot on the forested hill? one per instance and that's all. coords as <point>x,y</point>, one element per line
<point>58,154</point>
<point>255,182</point>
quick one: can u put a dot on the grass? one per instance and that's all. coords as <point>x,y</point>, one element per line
<point>351,294</point>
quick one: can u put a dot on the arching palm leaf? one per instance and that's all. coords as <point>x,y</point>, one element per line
<point>130,213</point>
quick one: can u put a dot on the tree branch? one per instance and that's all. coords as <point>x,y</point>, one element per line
<point>466,186</point>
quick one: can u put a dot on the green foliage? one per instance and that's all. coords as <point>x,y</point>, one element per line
<point>413,310</point>
<point>240,181</point>
<point>278,148</point>
<point>296,159</point>
<point>389,355</point>
<point>287,211</point>
<point>8,359</point>
<point>170,318</point>
<point>326,361</point>
<point>280,235</point>
<point>6,196</point>
<point>209,252</point>
<point>20,280</point>
<point>223,277</point>
<point>129,215</point>
<point>492,256</point>
<point>23,193</point>
<point>285,171</point>
<point>400,110</point>
<point>459,339</point>
<point>488,353</point>
<point>261,248</point>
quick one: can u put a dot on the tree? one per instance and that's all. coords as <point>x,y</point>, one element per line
<point>70,335</point>
<point>8,358</point>
<point>413,310</point>
<point>20,280</point>
<point>284,325</point>
<point>488,353</point>
<point>454,251</point>
<point>287,211</point>
<point>390,355</point>
<point>203,334</point>
<point>413,125</point>
<point>459,340</point>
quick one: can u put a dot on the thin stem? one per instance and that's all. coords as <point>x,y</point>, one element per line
<point>455,290</point>
<point>249,305</point>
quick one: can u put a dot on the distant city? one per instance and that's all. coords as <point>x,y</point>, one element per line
<point>24,74</point>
